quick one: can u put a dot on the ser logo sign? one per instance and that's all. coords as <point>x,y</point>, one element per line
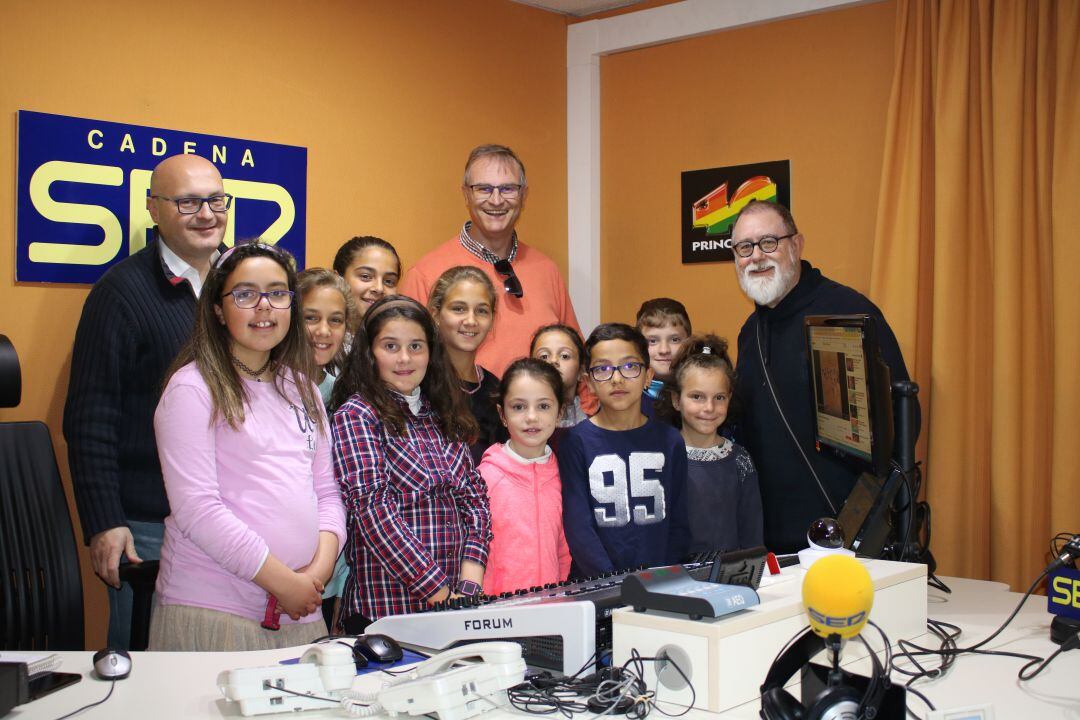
<point>82,188</point>
<point>1063,593</point>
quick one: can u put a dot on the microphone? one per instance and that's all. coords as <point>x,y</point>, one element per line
<point>1068,555</point>
<point>837,594</point>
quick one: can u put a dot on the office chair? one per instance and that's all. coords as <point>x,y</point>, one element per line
<point>41,600</point>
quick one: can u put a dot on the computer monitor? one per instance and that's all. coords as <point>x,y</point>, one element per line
<point>852,391</point>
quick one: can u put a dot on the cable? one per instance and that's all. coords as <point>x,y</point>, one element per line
<point>1070,644</point>
<point>776,401</point>
<point>112,686</point>
<point>268,686</point>
<point>611,689</point>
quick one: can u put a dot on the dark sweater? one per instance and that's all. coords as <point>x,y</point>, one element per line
<point>624,496</point>
<point>484,408</point>
<point>791,499</point>
<point>133,324</point>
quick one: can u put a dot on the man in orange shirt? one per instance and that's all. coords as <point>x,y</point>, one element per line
<point>534,294</point>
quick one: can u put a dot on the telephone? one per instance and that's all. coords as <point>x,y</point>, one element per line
<point>326,672</point>
<point>456,693</point>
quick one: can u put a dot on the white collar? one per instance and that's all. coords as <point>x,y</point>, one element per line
<point>179,267</point>
<point>413,400</point>
<point>524,460</point>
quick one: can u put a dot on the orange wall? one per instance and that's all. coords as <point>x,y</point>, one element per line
<point>813,90</point>
<point>387,95</point>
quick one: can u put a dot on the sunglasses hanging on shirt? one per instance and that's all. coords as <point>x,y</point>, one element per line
<point>511,283</point>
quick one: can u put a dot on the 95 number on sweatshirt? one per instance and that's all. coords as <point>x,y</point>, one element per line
<point>627,489</point>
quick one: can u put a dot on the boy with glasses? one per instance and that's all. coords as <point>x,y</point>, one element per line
<point>623,474</point>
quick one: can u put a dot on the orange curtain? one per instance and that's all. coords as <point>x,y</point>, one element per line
<point>976,259</point>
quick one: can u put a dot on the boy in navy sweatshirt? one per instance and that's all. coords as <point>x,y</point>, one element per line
<point>623,474</point>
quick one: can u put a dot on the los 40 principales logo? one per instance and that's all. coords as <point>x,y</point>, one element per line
<point>713,198</point>
<point>82,188</point>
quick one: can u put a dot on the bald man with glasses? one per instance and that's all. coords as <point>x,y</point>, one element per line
<point>133,324</point>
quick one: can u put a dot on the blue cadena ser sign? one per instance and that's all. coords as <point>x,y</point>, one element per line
<point>82,188</point>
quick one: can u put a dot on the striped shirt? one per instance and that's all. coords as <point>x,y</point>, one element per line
<point>416,509</point>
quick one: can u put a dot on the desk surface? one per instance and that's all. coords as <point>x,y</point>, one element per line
<point>184,685</point>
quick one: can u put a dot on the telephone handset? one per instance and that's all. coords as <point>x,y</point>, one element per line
<point>457,693</point>
<point>492,653</point>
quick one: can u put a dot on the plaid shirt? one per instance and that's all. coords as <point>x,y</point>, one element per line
<point>416,508</point>
<point>482,252</point>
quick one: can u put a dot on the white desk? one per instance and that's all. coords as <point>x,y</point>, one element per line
<point>164,686</point>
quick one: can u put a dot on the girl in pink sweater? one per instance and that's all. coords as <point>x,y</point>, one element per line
<point>523,484</point>
<point>245,453</point>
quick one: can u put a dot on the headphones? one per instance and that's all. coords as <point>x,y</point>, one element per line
<point>838,701</point>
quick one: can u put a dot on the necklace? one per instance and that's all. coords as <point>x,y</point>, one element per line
<point>479,380</point>
<point>248,371</point>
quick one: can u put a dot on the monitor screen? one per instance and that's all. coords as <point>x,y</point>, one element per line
<point>852,392</point>
<point>839,379</point>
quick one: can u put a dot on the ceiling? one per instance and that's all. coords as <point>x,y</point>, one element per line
<point>578,8</point>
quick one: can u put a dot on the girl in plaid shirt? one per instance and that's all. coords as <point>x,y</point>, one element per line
<point>419,521</point>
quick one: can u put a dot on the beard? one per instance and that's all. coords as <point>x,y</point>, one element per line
<point>771,289</point>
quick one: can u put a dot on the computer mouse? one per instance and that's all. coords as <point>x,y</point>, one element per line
<point>379,648</point>
<point>110,664</point>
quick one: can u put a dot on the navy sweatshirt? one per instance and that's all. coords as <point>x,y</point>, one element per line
<point>624,496</point>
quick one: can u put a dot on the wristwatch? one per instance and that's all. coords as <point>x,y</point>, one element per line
<point>467,587</point>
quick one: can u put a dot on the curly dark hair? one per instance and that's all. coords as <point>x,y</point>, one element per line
<point>360,375</point>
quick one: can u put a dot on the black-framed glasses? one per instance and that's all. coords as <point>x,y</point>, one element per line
<point>246,298</point>
<point>192,205</point>
<point>511,283</point>
<point>603,373</point>
<point>767,243</point>
<point>506,190</point>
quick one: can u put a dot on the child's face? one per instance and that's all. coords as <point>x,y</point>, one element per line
<point>530,412</point>
<point>664,342</point>
<point>254,332</point>
<point>401,354</point>
<point>324,318</point>
<point>373,272</point>
<point>465,317</point>
<point>618,393</point>
<point>703,400</point>
<point>556,348</point>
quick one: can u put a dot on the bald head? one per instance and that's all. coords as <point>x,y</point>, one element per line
<point>178,168</point>
<point>192,236</point>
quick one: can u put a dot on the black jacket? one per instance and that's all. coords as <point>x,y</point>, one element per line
<point>790,496</point>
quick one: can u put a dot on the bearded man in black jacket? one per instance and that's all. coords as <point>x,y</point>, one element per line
<point>798,483</point>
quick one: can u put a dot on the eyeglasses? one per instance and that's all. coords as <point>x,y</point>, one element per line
<point>510,279</point>
<point>192,205</point>
<point>767,243</point>
<point>508,191</point>
<point>603,373</point>
<point>246,299</point>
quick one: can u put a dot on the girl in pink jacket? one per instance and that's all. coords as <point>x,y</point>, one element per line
<point>522,477</point>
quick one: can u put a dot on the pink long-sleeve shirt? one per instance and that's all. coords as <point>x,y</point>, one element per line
<point>237,496</point>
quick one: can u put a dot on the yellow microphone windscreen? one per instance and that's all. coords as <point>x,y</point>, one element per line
<point>837,594</point>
